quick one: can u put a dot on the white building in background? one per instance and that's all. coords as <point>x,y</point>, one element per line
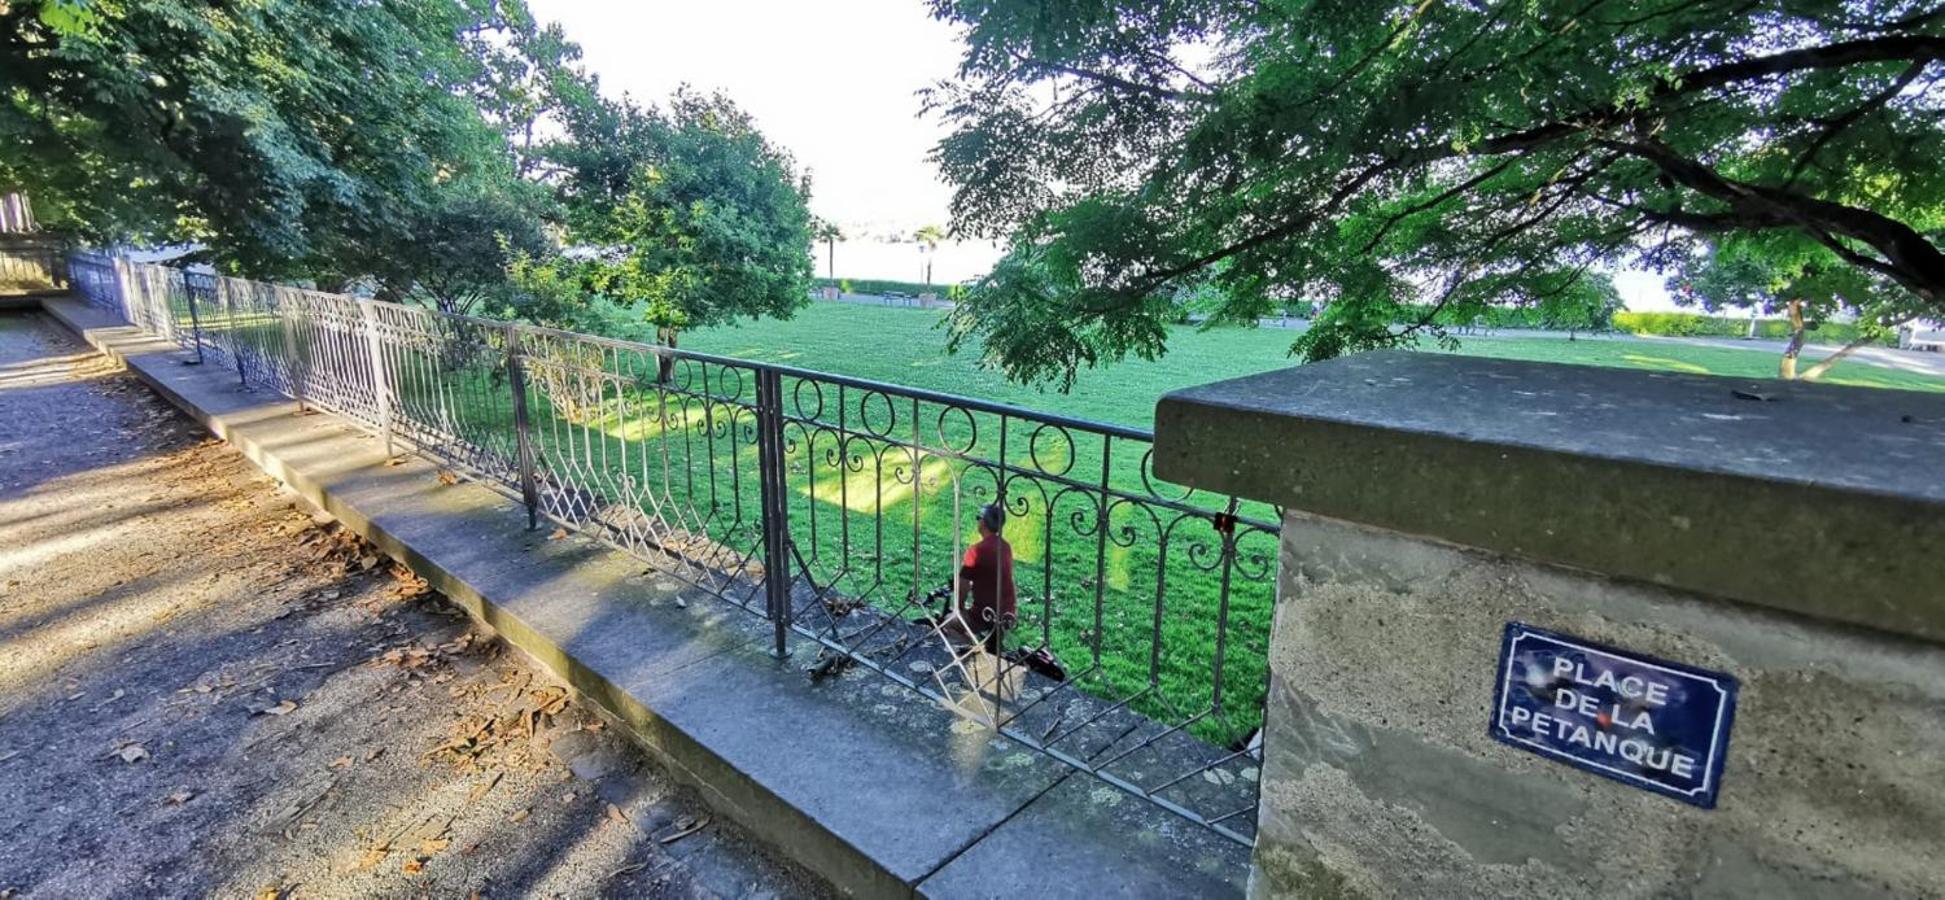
<point>1922,335</point>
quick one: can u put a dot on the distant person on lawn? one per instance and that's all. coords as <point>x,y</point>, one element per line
<point>987,600</point>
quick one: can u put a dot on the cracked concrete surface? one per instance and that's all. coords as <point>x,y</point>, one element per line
<point>207,689</point>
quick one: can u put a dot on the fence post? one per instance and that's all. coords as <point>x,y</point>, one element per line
<point>221,287</point>
<point>293,366</point>
<point>522,433</point>
<point>120,268</point>
<point>195,320</point>
<point>381,392</point>
<point>776,510</point>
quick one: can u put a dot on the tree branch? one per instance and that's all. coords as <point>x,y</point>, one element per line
<point>1908,257</point>
<point>1114,81</point>
<point>1870,104</point>
<point>1916,48</point>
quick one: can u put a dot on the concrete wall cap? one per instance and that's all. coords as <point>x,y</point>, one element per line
<point>1817,498</point>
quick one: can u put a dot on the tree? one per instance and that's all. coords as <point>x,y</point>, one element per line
<point>1588,305</point>
<point>464,243</point>
<point>830,234</point>
<point>1803,280</point>
<point>687,215</point>
<point>293,138</point>
<point>1372,156</point>
<point>929,237</point>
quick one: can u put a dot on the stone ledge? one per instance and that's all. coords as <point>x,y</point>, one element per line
<point>881,804</point>
<point>1816,499</point>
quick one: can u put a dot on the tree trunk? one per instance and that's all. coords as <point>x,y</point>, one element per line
<point>830,259</point>
<point>1788,368</point>
<point>1820,369</point>
<point>664,363</point>
<point>1817,371</point>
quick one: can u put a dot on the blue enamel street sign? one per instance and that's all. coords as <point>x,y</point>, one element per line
<point>1654,724</point>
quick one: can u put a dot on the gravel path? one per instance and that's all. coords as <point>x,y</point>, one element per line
<point>206,689</point>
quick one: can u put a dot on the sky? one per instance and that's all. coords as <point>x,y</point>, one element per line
<point>837,84</point>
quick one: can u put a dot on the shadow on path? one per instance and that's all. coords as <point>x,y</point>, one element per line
<point>206,688</point>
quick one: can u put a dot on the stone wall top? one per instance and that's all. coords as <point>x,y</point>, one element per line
<point>1820,499</point>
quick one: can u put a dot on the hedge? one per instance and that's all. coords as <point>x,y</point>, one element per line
<point>883,286</point>
<point>1679,324</point>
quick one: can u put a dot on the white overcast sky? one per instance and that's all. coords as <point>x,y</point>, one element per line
<point>835,82</point>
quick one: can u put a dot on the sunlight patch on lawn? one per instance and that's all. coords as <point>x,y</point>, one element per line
<point>866,492</point>
<point>1663,362</point>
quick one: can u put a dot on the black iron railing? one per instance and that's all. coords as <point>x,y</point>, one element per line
<point>838,509</point>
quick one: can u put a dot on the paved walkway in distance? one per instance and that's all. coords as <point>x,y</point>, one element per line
<point>205,689</point>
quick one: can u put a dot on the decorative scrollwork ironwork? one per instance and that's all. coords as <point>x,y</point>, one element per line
<point>837,508</point>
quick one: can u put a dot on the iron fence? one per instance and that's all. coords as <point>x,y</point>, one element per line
<point>835,508</point>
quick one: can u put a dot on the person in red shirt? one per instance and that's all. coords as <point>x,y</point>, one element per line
<point>987,599</point>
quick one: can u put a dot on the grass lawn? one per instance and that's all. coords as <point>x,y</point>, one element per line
<point>904,346</point>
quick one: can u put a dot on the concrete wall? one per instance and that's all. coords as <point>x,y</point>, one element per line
<point>1787,536</point>
<point>1380,778</point>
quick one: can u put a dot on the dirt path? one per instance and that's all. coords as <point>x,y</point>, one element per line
<point>205,689</point>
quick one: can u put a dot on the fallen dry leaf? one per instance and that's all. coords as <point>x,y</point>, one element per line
<point>479,790</point>
<point>179,797</point>
<point>413,866</point>
<point>558,534</point>
<point>447,478</point>
<point>340,763</point>
<point>133,753</point>
<point>615,813</point>
<point>285,708</point>
<point>374,754</point>
<point>373,856</point>
<point>684,827</point>
<point>520,816</point>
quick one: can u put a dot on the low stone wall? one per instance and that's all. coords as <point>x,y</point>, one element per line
<point>1387,771</point>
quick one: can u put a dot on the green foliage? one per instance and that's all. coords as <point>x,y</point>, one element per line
<point>1781,273</point>
<point>1679,324</point>
<point>300,139</point>
<point>1461,156</point>
<point>690,216</point>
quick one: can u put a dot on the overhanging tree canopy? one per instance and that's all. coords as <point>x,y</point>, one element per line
<point>306,139</point>
<point>1378,155</point>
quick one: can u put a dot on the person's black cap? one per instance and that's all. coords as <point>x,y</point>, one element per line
<point>993,516</point>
